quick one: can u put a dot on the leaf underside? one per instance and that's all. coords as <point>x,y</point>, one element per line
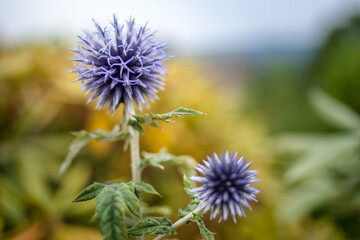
<point>185,162</point>
<point>160,225</point>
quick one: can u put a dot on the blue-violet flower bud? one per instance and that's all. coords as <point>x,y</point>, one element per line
<point>226,185</point>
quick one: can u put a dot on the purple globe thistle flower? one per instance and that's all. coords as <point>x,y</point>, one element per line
<point>226,185</point>
<point>120,64</point>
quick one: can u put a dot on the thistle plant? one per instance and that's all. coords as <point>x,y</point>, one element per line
<point>123,64</point>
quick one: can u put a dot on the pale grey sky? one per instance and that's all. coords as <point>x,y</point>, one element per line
<point>188,25</point>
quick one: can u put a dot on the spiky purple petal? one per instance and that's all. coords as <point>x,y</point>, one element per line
<point>120,64</point>
<point>226,185</point>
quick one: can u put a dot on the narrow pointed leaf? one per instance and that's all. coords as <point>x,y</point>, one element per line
<point>84,137</point>
<point>322,156</point>
<point>160,225</point>
<point>151,118</point>
<point>333,111</point>
<point>74,149</point>
<point>186,112</point>
<point>145,187</point>
<point>90,192</point>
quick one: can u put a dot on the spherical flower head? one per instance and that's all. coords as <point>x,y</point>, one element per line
<point>226,185</point>
<point>120,64</point>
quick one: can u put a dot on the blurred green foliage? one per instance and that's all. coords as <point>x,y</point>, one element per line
<point>335,67</point>
<point>323,180</point>
<point>316,136</point>
<point>280,90</point>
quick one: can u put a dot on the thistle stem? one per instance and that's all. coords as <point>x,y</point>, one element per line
<point>135,151</point>
<point>183,220</point>
<point>135,154</point>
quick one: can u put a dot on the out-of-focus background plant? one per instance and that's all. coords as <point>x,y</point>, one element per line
<point>294,113</point>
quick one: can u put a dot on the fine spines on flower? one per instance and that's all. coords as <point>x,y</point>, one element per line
<point>121,64</point>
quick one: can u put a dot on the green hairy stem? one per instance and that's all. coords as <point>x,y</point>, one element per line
<point>135,152</point>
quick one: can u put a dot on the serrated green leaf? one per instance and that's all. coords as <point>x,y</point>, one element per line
<point>131,200</point>
<point>84,137</point>
<point>188,187</point>
<point>333,111</point>
<point>205,233</point>
<point>160,225</point>
<point>90,192</point>
<point>111,201</point>
<point>151,118</point>
<point>145,187</point>
<point>110,214</point>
